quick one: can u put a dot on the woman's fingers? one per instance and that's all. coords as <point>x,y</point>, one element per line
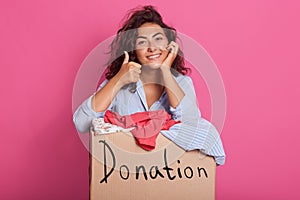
<point>130,71</point>
<point>134,71</point>
<point>173,50</point>
<point>135,67</point>
<point>173,47</point>
<point>126,58</point>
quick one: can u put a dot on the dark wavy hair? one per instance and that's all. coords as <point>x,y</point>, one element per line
<point>126,38</point>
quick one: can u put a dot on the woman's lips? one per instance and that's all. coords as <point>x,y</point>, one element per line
<point>153,56</point>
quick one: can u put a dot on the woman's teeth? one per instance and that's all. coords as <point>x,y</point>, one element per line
<point>153,56</point>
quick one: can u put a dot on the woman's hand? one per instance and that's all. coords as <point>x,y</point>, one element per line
<point>129,71</point>
<point>173,50</point>
<point>174,91</point>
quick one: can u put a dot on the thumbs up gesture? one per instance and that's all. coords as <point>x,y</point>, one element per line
<point>129,71</point>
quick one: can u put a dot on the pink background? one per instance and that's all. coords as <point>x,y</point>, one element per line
<point>255,45</point>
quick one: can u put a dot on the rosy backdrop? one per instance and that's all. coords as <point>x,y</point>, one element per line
<point>255,44</point>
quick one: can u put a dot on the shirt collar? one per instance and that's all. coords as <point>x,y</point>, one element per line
<point>141,93</point>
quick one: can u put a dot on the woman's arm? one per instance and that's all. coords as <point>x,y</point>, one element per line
<point>129,73</point>
<point>173,90</point>
<point>97,104</point>
<point>85,113</point>
<point>187,109</point>
<point>103,98</point>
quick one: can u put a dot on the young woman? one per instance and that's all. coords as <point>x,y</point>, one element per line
<point>147,73</point>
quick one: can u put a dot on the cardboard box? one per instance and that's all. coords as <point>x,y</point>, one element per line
<point>121,170</point>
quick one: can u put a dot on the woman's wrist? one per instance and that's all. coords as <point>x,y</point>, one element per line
<point>117,82</point>
<point>166,72</point>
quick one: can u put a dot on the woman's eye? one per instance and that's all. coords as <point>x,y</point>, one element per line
<point>141,42</point>
<point>159,38</point>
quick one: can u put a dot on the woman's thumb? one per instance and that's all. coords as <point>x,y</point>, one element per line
<point>126,58</point>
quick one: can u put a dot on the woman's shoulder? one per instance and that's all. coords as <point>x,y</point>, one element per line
<point>183,78</point>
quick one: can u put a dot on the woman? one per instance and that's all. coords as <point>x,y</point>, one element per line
<point>147,73</point>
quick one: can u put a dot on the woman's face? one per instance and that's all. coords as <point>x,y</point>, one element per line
<point>151,45</point>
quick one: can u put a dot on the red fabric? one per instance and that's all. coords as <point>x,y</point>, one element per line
<point>147,125</point>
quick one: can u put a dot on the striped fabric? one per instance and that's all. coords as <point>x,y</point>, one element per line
<point>193,133</point>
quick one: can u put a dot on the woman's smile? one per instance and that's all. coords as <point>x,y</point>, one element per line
<point>155,56</point>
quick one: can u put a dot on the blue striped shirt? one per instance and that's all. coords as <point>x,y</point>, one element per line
<point>193,133</point>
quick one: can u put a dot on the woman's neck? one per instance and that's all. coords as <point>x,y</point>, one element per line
<point>149,76</point>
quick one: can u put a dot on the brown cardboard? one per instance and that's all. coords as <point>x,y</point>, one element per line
<point>121,152</point>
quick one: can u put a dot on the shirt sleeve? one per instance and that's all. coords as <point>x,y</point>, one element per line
<point>188,105</point>
<point>84,114</point>
<point>194,132</point>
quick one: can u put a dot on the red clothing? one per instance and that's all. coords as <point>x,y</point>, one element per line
<point>147,125</point>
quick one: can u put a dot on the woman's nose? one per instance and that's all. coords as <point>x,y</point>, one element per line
<point>151,47</point>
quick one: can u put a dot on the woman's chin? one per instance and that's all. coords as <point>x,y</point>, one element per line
<point>153,65</point>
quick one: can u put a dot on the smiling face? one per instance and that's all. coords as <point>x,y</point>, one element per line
<point>151,45</point>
